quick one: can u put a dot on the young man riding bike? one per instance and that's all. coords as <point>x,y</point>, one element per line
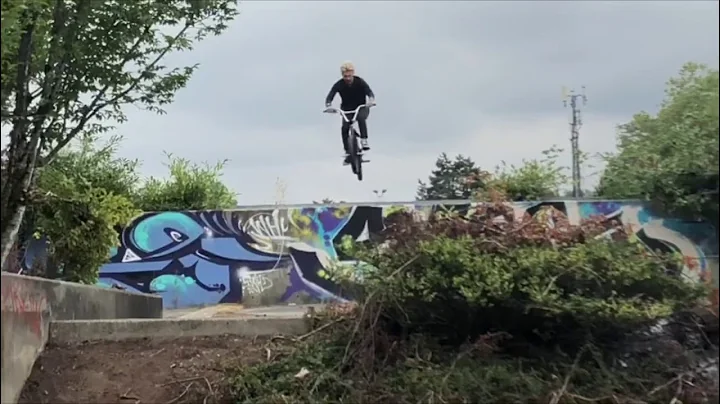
<point>353,91</point>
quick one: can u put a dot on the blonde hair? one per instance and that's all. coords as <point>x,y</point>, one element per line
<point>347,66</point>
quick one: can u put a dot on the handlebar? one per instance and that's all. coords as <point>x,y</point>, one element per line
<point>332,110</point>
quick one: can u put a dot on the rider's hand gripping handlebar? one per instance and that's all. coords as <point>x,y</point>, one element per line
<point>332,110</point>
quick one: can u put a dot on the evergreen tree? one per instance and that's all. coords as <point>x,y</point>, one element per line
<point>459,178</point>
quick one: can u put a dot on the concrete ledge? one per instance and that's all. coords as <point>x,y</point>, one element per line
<point>75,301</point>
<point>114,330</point>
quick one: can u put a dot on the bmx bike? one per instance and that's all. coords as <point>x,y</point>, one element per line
<point>356,152</point>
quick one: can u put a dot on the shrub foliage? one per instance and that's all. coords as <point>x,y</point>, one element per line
<point>489,270</point>
<point>488,307</point>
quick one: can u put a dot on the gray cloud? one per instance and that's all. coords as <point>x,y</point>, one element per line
<point>449,76</point>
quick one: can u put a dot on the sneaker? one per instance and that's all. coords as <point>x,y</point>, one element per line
<point>364,144</point>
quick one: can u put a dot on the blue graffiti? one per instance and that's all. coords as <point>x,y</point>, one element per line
<point>194,258</point>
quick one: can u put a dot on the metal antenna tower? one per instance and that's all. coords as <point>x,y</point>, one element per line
<point>575,125</point>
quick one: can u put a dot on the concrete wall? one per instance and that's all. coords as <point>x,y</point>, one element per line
<point>25,319</point>
<point>279,254</point>
<point>28,306</point>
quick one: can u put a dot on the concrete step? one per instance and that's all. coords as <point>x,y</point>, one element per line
<point>73,331</point>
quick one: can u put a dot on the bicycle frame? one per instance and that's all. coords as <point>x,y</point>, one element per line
<point>357,160</point>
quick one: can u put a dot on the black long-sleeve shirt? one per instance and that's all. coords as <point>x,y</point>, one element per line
<point>352,95</point>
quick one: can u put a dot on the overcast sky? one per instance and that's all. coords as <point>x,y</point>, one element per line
<point>479,78</point>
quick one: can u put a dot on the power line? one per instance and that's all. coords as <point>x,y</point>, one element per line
<point>575,125</point>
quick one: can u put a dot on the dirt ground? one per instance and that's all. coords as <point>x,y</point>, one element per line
<point>183,370</point>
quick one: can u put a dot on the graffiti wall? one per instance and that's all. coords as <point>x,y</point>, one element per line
<point>271,256</point>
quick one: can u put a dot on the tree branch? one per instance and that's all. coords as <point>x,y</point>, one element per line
<point>95,106</point>
<point>53,68</point>
<point>15,150</point>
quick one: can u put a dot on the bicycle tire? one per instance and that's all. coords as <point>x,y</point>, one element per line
<point>352,146</point>
<point>357,156</point>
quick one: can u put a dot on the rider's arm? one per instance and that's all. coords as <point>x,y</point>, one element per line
<point>367,89</point>
<point>333,90</point>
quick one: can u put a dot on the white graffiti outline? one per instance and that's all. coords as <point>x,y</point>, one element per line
<point>254,282</point>
<point>280,188</point>
<point>268,230</point>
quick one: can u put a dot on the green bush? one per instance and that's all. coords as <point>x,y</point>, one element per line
<point>190,187</point>
<point>532,180</point>
<point>461,277</point>
<point>83,197</point>
<point>490,308</point>
<point>88,193</point>
<point>80,229</point>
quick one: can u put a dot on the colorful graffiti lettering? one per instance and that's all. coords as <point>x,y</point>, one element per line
<point>203,258</point>
<point>30,307</point>
<point>211,257</point>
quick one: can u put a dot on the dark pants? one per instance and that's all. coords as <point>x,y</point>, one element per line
<point>362,124</point>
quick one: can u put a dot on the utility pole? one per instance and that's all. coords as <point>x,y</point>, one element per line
<point>280,189</point>
<point>575,124</point>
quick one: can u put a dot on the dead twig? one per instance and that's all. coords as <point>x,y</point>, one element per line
<point>591,399</point>
<point>560,393</point>
<point>211,391</point>
<point>453,365</point>
<point>677,378</point>
<point>189,379</point>
<point>613,397</point>
<point>209,386</point>
<point>678,392</point>
<point>187,388</point>
<point>322,327</point>
<point>127,396</point>
<point>356,329</point>
<point>304,336</point>
<point>701,330</point>
<point>277,337</point>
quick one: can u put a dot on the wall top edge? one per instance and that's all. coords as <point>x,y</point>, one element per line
<point>414,203</point>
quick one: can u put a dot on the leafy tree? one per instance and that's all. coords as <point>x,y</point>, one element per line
<point>452,179</point>
<point>534,179</point>
<point>84,196</point>
<point>11,26</point>
<point>190,187</point>
<point>69,68</point>
<point>68,189</point>
<point>95,166</point>
<point>671,158</point>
